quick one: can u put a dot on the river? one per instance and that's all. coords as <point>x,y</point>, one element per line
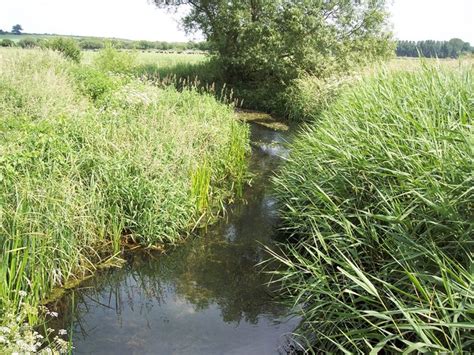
<point>203,297</point>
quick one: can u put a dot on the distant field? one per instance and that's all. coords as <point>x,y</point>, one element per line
<point>156,58</point>
<point>16,38</point>
<point>403,63</point>
<point>413,64</point>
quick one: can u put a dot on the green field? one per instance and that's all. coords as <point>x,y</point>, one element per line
<point>17,38</point>
<point>160,60</point>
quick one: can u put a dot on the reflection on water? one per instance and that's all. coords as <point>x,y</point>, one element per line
<point>204,297</point>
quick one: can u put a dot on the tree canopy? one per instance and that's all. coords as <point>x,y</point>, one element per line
<point>277,39</point>
<point>431,49</point>
<point>16,29</point>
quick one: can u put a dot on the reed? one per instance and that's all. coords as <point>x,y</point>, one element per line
<point>377,200</point>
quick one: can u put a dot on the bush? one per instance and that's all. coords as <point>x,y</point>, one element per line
<point>377,198</point>
<point>27,43</point>
<point>110,59</point>
<point>308,96</point>
<point>7,43</point>
<point>95,84</point>
<point>91,44</point>
<point>66,46</point>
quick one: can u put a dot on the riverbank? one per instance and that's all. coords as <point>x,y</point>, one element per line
<point>90,158</point>
<point>205,296</point>
<point>377,201</point>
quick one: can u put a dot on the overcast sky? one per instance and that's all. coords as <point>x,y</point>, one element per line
<point>138,19</point>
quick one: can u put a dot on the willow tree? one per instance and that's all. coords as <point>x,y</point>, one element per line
<point>276,39</point>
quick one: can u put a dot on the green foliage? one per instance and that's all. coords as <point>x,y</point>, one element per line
<point>433,49</point>
<point>95,84</point>
<point>112,60</point>
<point>66,46</point>
<point>76,179</point>
<point>27,43</point>
<point>261,41</point>
<point>16,29</point>
<point>7,43</point>
<point>91,44</point>
<point>377,199</point>
<point>144,45</point>
<point>308,96</point>
<point>263,46</point>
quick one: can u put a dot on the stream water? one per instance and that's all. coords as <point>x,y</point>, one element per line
<point>204,297</point>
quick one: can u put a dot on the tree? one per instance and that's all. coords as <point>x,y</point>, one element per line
<point>275,40</point>
<point>456,46</point>
<point>17,29</point>
<point>433,49</point>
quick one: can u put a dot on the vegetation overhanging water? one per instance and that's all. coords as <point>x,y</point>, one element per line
<point>204,297</point>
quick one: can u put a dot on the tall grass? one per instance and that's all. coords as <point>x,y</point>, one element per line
<point>78,174</point>
<point>377,198</point>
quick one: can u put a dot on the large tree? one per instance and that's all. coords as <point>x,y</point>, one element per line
<point>276,39</point>
<point>16,29</point>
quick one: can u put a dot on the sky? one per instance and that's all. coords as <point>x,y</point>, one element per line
<point>139,19</point>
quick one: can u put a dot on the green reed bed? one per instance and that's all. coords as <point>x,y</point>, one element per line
<point>377,197</point>
<point>89,158</point>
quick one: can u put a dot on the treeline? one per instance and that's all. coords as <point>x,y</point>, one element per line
<point>99,43</point>
<point>434,49</point>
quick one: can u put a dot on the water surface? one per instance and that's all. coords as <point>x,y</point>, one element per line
<point>204,297</point>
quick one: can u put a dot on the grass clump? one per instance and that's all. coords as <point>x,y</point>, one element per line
<point>377,198</point>
<point>78,177</point>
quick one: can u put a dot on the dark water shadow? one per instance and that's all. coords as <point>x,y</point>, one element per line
<point>205,297</point>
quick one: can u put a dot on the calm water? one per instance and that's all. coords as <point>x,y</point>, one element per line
<point>204,297</point>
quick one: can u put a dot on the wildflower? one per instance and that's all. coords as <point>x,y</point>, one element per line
<point>62,331</point>
<point>4,330</point>
<point>52,314</point>
<point>22,293</point>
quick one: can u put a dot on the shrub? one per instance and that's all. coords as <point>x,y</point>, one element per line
<point>91,44</point>
<point>66,46</point>
<point>7,43</point>
<point>94,83</point>
<point>308,96</point>
<point>27,43</point>
<point>110,59</point>
<point>377,198</point>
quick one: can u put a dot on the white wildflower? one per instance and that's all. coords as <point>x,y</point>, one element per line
<point>4,330</point>
<point>52,314</point>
